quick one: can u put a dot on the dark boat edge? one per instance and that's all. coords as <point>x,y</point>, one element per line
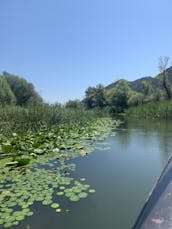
<point>144,213</point>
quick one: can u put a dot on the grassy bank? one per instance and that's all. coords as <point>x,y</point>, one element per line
<point>34,118</point>
<point>153,110</point>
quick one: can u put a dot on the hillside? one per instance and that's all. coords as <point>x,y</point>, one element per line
<point>155,83</point>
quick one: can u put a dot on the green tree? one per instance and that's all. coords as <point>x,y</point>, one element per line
<point>135,99</point>
<point>147,88</point>
<point>6,95</point>
<point>74,104</point>
<point>117,97</point>
<point>163,64</point>
<point>118,101</point>
<point>23,91</point>
<point>95,97</point>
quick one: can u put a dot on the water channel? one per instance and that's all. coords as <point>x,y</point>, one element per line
<point>122,177</point>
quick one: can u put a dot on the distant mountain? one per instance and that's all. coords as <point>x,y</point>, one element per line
<point>155,83</point>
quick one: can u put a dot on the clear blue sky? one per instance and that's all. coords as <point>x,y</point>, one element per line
<point>64,46</point>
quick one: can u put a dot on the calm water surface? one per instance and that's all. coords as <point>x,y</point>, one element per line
<point>122,177</point>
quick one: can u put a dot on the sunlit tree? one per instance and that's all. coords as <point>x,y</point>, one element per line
<point>163,65</point>
<point>6,95</point>
<point>24,92</point>
<point>95,97</point>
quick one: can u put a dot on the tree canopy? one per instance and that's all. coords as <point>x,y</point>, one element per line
<point>95,97</point>
<point>7,97</point>
<point>23,92</point>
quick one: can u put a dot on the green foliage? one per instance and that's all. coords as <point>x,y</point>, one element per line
<point>24,92</point>
<point>33,118</point>
<point>147,88</point>
<point>95,97</point>
<point>135,99</point>
<point>74,104</point>
<point>155,110</point>
<point>123,94</point>
<point>6,95</point>
<point>117,97</point>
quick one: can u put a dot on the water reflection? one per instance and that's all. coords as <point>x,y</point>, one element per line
<point>159,131</point>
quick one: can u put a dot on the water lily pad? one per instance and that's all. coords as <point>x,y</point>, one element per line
<point>12,204</point>
<point>76,190</point>
<point>15,223</point>
<point>61,187</point>
<point>25,206</point>
<point>58,210</point>
<point>20,217</point>
<point>68,194</point>
<point>30,213</point>
<point>6,225</point>
<point>83,179</point>
<point>83,195</point>
<point>74,198</point>
<point>92,191</point>
<point>1,221</point>
<point>25,210</point>
<point>47,202</point>
<point>60,193</point>
<point>55,205</point>
<point>8,210</point>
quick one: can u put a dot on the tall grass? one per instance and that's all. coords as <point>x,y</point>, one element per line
<point>33,118</point>
<point>155,110</point>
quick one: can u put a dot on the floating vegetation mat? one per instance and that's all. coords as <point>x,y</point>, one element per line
<point>36,167</point>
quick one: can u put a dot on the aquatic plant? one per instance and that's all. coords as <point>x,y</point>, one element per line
<point>35,166</point>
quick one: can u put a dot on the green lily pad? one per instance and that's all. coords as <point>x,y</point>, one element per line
<point>92,191</point>
<point>83,195</point>
<point>15,223</point>
<point>19,217</point>
<point>55,205</point>
<point>1,221</point>
<point>30,213</point>
<point>83,179</point>
<point>74,198</point>
<point>47,202</point>
<point>26,210</point>
<point>58,210</point>
<point>60,193</point>
<point>6,225</point>
<point>62,188</point>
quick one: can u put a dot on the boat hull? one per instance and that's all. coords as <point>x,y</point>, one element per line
<point>157,211</point>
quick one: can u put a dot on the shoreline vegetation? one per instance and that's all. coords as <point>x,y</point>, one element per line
<point>152,110</point>
<point>23,119</point>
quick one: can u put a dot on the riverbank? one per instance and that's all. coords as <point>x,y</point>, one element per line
<point>153,110</point>
<point>34,118</point>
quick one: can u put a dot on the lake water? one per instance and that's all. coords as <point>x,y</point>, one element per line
<point>122,178</point>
